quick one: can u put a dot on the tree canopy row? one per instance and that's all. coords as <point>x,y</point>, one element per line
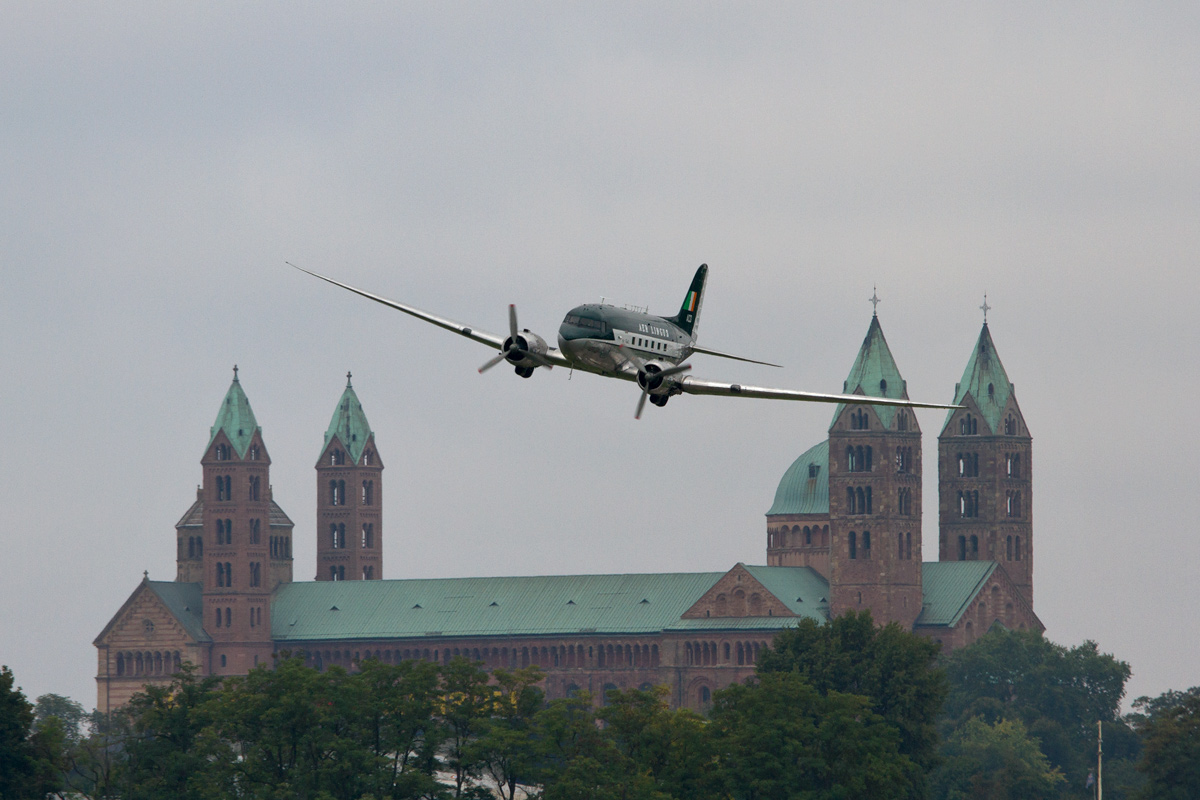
<point>842,710</point>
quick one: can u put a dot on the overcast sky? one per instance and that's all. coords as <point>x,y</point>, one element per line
<point>159,165</point>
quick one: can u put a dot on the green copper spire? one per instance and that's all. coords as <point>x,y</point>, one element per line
<point>875,374</point>
<point>236,418</point>
<point>349,423</point>
<point>986,381</point>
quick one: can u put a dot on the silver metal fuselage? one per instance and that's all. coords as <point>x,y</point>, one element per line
<point>601,337</point>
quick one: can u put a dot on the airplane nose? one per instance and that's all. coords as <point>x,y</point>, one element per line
<point>565,346</point>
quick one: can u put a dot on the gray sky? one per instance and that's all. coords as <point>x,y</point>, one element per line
<point>160,165</point>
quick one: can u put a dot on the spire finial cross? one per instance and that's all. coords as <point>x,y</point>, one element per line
<point>874,301</point>
<point>985,308</point>
<point>235,373</point>
<point>347,379</point>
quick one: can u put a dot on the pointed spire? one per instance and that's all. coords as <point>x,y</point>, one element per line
<point>235,418</point>
<point>875,373</point>
<point>985,380</point>
<point>349,423</point>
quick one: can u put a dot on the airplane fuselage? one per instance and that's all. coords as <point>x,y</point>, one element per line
<point>599,337</point>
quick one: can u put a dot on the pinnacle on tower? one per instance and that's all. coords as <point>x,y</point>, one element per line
<point>349,423</point>
<point>986,382</point>
<point>235,418</point>
<point>875,374</point>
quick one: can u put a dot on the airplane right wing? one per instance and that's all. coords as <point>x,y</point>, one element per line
<point>690,385</point>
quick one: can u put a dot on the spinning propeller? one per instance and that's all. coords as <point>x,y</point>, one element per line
<point>516,348</point>
<point>650,377</point>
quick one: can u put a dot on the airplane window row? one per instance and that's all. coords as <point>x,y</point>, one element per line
<point>649,344</point>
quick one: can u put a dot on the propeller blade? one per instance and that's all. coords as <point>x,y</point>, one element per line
<point>675,370</point>
<point>641,404</point>
<point>538,359</point>
<point>512,321</point>
<point>491,362</point>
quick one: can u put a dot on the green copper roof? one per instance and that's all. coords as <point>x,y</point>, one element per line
<point>986,381</point>
<point>184,601</point>
<point>875,374</point>
<point>804,488</point>
<point>555,605</point>
<point>349,423</point>
<point>236,418</point>
<point>949,587</point>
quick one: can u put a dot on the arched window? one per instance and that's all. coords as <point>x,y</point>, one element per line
<point>807,535</point>
<point>120,663</point>
<point>254,453</point>
<point>1010,426</point>
<point>705,697</point>
<point>908,546</point>
<point>336,457</point>
<point>228,617</point>
<point>255,531</point>
<point>1008,549</point>
<point>900,546</point>
<point>869,462</point>
<point>852,541</point>
<point>368,492</point>
<point>222,452</point>
<point>368,534</point>
<point>866,544</point>
<point>974,548</point>
<point>962,548</point>
<point>255,483</point>
<point>851,462</point>
<point>902,421</point>
<point>1018,548</point>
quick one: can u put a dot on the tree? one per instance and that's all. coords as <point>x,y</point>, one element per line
<point>1058,693</point>
<point>504,747</point>
<point>668,748</point>
<point>575,760</point>
<point>162,757</point>
<point>1170,726</point>
<point>466,700</point>
<point>894,669</point>
<point>778,737</point>
<point>396,704</point>
<point>30,760</point>
<point>995,762</point>
<point>69,713</point>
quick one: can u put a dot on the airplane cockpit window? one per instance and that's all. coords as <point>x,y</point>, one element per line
<point>584,322</point>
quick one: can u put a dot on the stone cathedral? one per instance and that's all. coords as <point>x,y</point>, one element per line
<point>844,532</point>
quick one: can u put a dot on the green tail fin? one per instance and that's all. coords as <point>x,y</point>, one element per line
<point>688,317</point>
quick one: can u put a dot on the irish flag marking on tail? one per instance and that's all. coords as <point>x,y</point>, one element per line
<point>691,301</point>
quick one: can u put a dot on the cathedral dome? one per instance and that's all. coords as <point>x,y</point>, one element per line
<point>805,486</point>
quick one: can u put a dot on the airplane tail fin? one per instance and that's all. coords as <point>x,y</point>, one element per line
<point>689,313</point>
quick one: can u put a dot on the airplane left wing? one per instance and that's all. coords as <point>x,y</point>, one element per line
<point>690,385</point>
<point>553,355</point>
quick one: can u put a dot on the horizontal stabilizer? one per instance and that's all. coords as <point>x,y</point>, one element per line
<point>719,354</point>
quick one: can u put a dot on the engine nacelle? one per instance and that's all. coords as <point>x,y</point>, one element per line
<point>655,384</point>
<point>527,342</point>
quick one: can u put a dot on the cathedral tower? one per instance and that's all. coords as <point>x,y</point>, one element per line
<point>349,497</point>
<point>984,472</point>
<point>235,524</point>
<point>875,494</point>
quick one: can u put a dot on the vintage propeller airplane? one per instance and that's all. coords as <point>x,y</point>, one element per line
<point>622,343</point>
